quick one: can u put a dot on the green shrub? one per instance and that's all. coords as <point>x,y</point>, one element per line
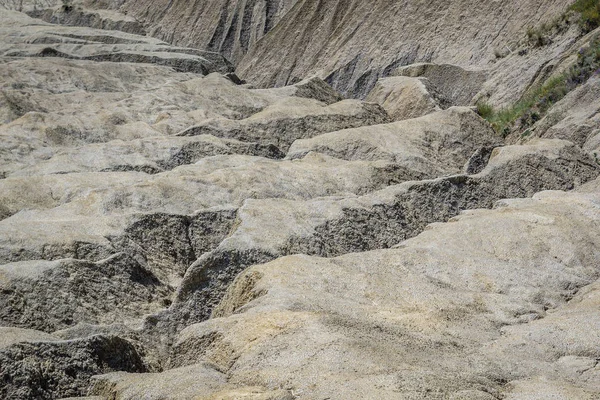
<point>590,14</point>
<point>485,110</point>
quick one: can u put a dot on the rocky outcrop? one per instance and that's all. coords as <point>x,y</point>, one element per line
<point>419,89</point>
<point>109,117</point>
<point>69,291</point>
<point>455,85</point>
<point>406,98</point>
<point>11,336</point>
<point>96,18</point>
<point>230,28</point>
<point>352,43</point>
<point>374,221</point>
<point>442,315</point>
<point>51,369</point>
<point>294,119</point>
<point>200,381</point>
<point>22,36</point>
<point>336,35</point>
<point>433,143</point>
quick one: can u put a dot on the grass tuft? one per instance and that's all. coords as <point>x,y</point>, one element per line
<point>485,110</point>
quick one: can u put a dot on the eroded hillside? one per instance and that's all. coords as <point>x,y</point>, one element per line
<point>402,201</point>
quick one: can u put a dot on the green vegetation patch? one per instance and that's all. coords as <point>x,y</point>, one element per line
<point>537,101</point>
<point>590,14</point>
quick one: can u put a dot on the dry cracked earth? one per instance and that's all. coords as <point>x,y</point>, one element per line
<point>198,202</point>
